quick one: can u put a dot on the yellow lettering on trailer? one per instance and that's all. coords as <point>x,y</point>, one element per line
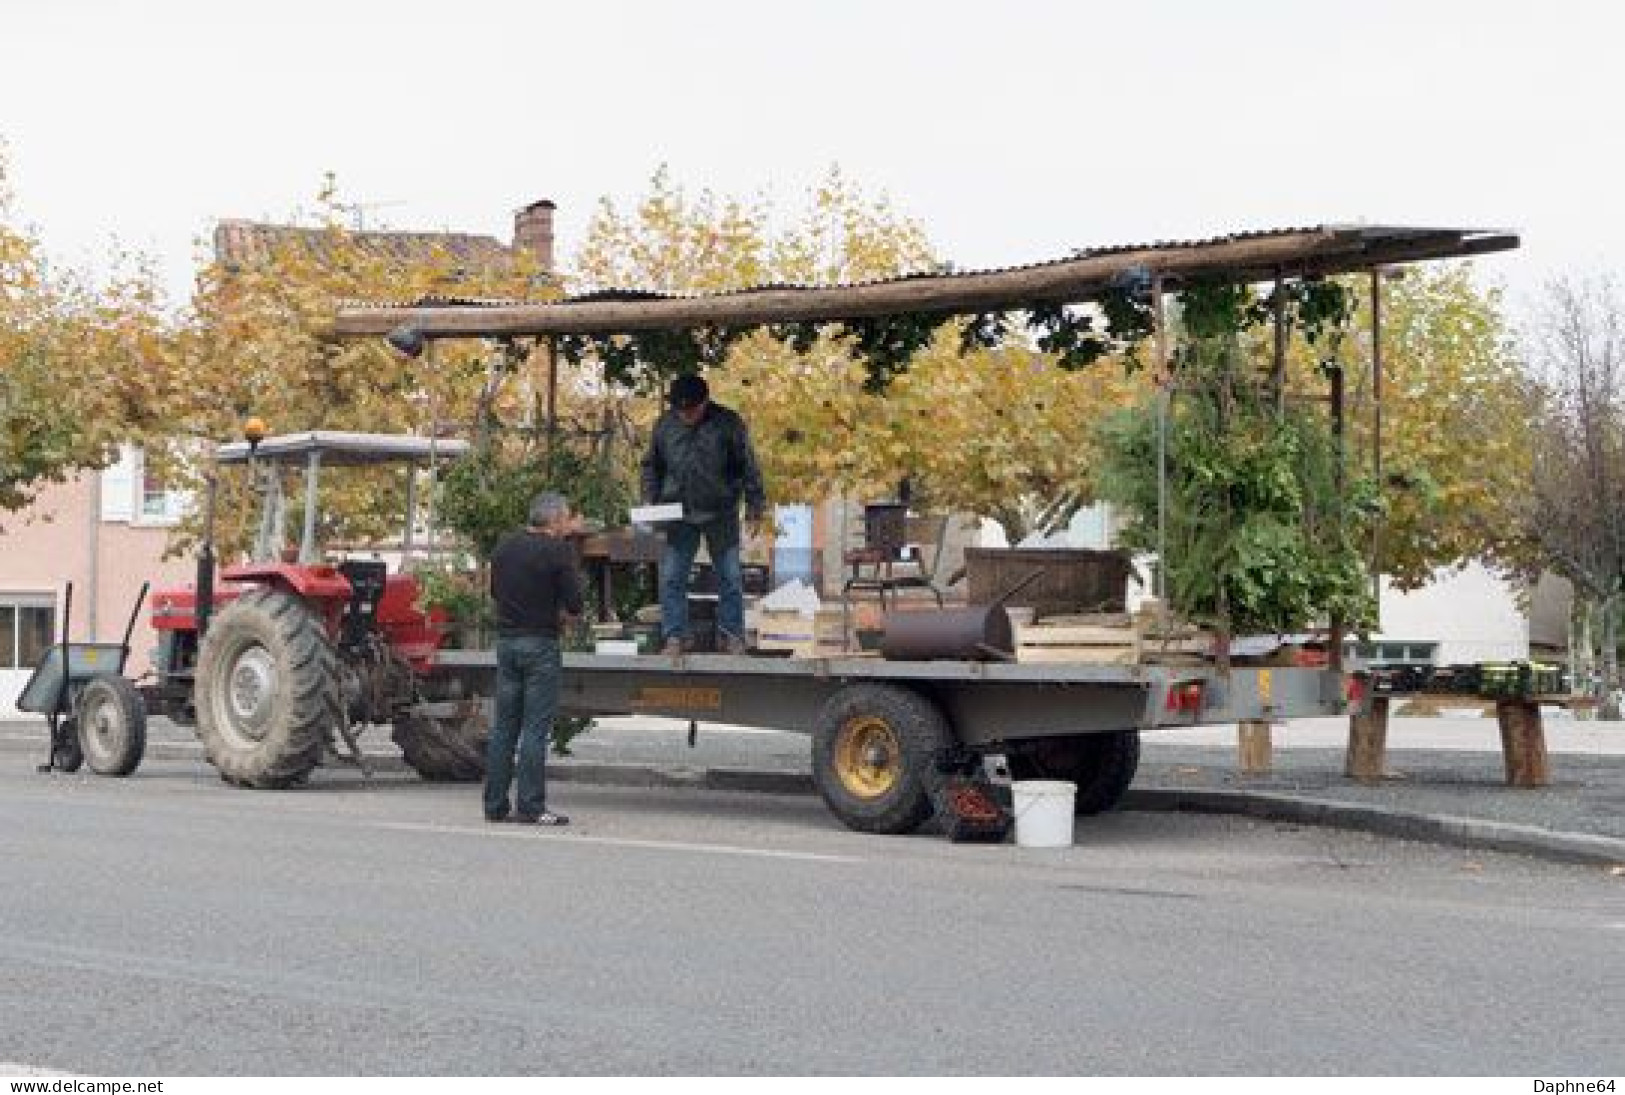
<point>1265,684</point>
<point>656,698</point>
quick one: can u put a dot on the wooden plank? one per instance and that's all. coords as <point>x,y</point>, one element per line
<point>1198,645</point>
<point>1080,635</point>
<point>1088,619</point>
<point>1086,655</point>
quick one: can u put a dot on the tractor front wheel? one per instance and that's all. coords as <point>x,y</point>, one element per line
<point>267,690</point>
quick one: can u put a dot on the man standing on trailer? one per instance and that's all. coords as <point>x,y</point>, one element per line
<point>537,589</point>
<point>701,456</point>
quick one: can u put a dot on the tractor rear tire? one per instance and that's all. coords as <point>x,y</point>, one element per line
<point>1102,765</point>
<point>444,750</point>
<point>267,691</point>
<point>112,719</point>
<point>874,757</point>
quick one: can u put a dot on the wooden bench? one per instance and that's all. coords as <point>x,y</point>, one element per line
<point>1523,734</point>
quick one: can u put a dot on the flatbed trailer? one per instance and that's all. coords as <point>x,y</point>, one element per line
<point>881,731</point>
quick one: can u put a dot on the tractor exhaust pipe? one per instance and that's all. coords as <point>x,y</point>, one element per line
<point>205,561</point>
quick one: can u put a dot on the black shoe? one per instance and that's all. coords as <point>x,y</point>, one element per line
<point>546,817</point>
<point>733,644</point>
<point>494,818</point>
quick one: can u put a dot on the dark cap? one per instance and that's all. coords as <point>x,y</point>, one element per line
<point>688,390</point>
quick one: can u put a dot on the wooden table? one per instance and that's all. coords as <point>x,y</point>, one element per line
<point>1523,735</point>
<point>625,550</point>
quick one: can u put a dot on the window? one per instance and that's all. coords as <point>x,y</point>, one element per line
<point>154,497</point>
<point>132,491</point>
<point>27,630</point>
<point>1390,653</point>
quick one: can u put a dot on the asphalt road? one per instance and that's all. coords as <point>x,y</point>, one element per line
<point>169,925</point>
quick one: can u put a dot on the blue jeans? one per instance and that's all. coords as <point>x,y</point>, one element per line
<point>682,544</point>
<point>529,669</point>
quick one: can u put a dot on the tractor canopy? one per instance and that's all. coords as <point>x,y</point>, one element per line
<point>340,448</point>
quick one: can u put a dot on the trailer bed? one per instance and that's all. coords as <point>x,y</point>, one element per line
<point>986,702</point>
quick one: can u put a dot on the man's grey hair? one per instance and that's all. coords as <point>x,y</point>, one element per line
<point>547,507</point>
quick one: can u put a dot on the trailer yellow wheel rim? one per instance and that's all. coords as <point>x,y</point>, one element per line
<point>868,757</point>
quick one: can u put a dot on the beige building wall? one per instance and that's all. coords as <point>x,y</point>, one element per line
<point>63,538</point>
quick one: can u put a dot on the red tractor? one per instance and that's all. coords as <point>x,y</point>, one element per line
<point>284,659</point>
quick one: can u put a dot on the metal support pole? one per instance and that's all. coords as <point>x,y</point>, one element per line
<point>313,474</point>
<point>1278,372</point>
<point>205,555</point>
<point>1335,642</point>
<point>411,509</point>
<point>1160,336</point>
<point>552,393</point>
<point>434,436</point>
<point>1376,435</point>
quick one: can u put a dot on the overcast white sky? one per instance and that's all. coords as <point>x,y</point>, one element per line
<point>1015,130</point>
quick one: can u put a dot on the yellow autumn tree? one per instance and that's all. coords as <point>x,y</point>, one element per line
<point>78,362</point>
<point>1002,433</point>
<point>1455,419</point>
<point>256,343</point>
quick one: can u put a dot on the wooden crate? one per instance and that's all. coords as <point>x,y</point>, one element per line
<point>820,635</point>
<point>1107,639</point>
<point>1051,643</point>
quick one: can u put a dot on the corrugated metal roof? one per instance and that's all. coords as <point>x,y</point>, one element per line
<point>1251,255</point>
<point>615,293</point>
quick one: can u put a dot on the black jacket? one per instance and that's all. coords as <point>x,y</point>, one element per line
<point>707,467</point>
<point>533,582</point>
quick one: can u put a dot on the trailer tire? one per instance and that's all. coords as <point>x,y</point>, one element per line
<point>1102,765</point>
<point>267,692</point>
<point>112,719</point>
<point>444,750</point>
<point>874,757</point>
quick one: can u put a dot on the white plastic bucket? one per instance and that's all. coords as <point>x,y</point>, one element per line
<point>1043,809</point>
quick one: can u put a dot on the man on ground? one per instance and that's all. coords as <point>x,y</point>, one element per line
<point>537,590</point>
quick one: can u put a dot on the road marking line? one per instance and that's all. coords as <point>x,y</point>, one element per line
<point>12,1068</point>
<point>525,833</point>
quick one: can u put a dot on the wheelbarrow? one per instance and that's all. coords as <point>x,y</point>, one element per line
<point>94,712</point>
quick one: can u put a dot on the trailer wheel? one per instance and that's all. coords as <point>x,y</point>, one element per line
<point>267,690</point>
<point>1102,765</point>
<point>112,725</point>
<point>874,755</point>
<point>444,750</point>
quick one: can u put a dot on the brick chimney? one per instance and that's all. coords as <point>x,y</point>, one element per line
<point>533,232</point>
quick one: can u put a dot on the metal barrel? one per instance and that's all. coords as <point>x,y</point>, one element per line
<point>975,633</point>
